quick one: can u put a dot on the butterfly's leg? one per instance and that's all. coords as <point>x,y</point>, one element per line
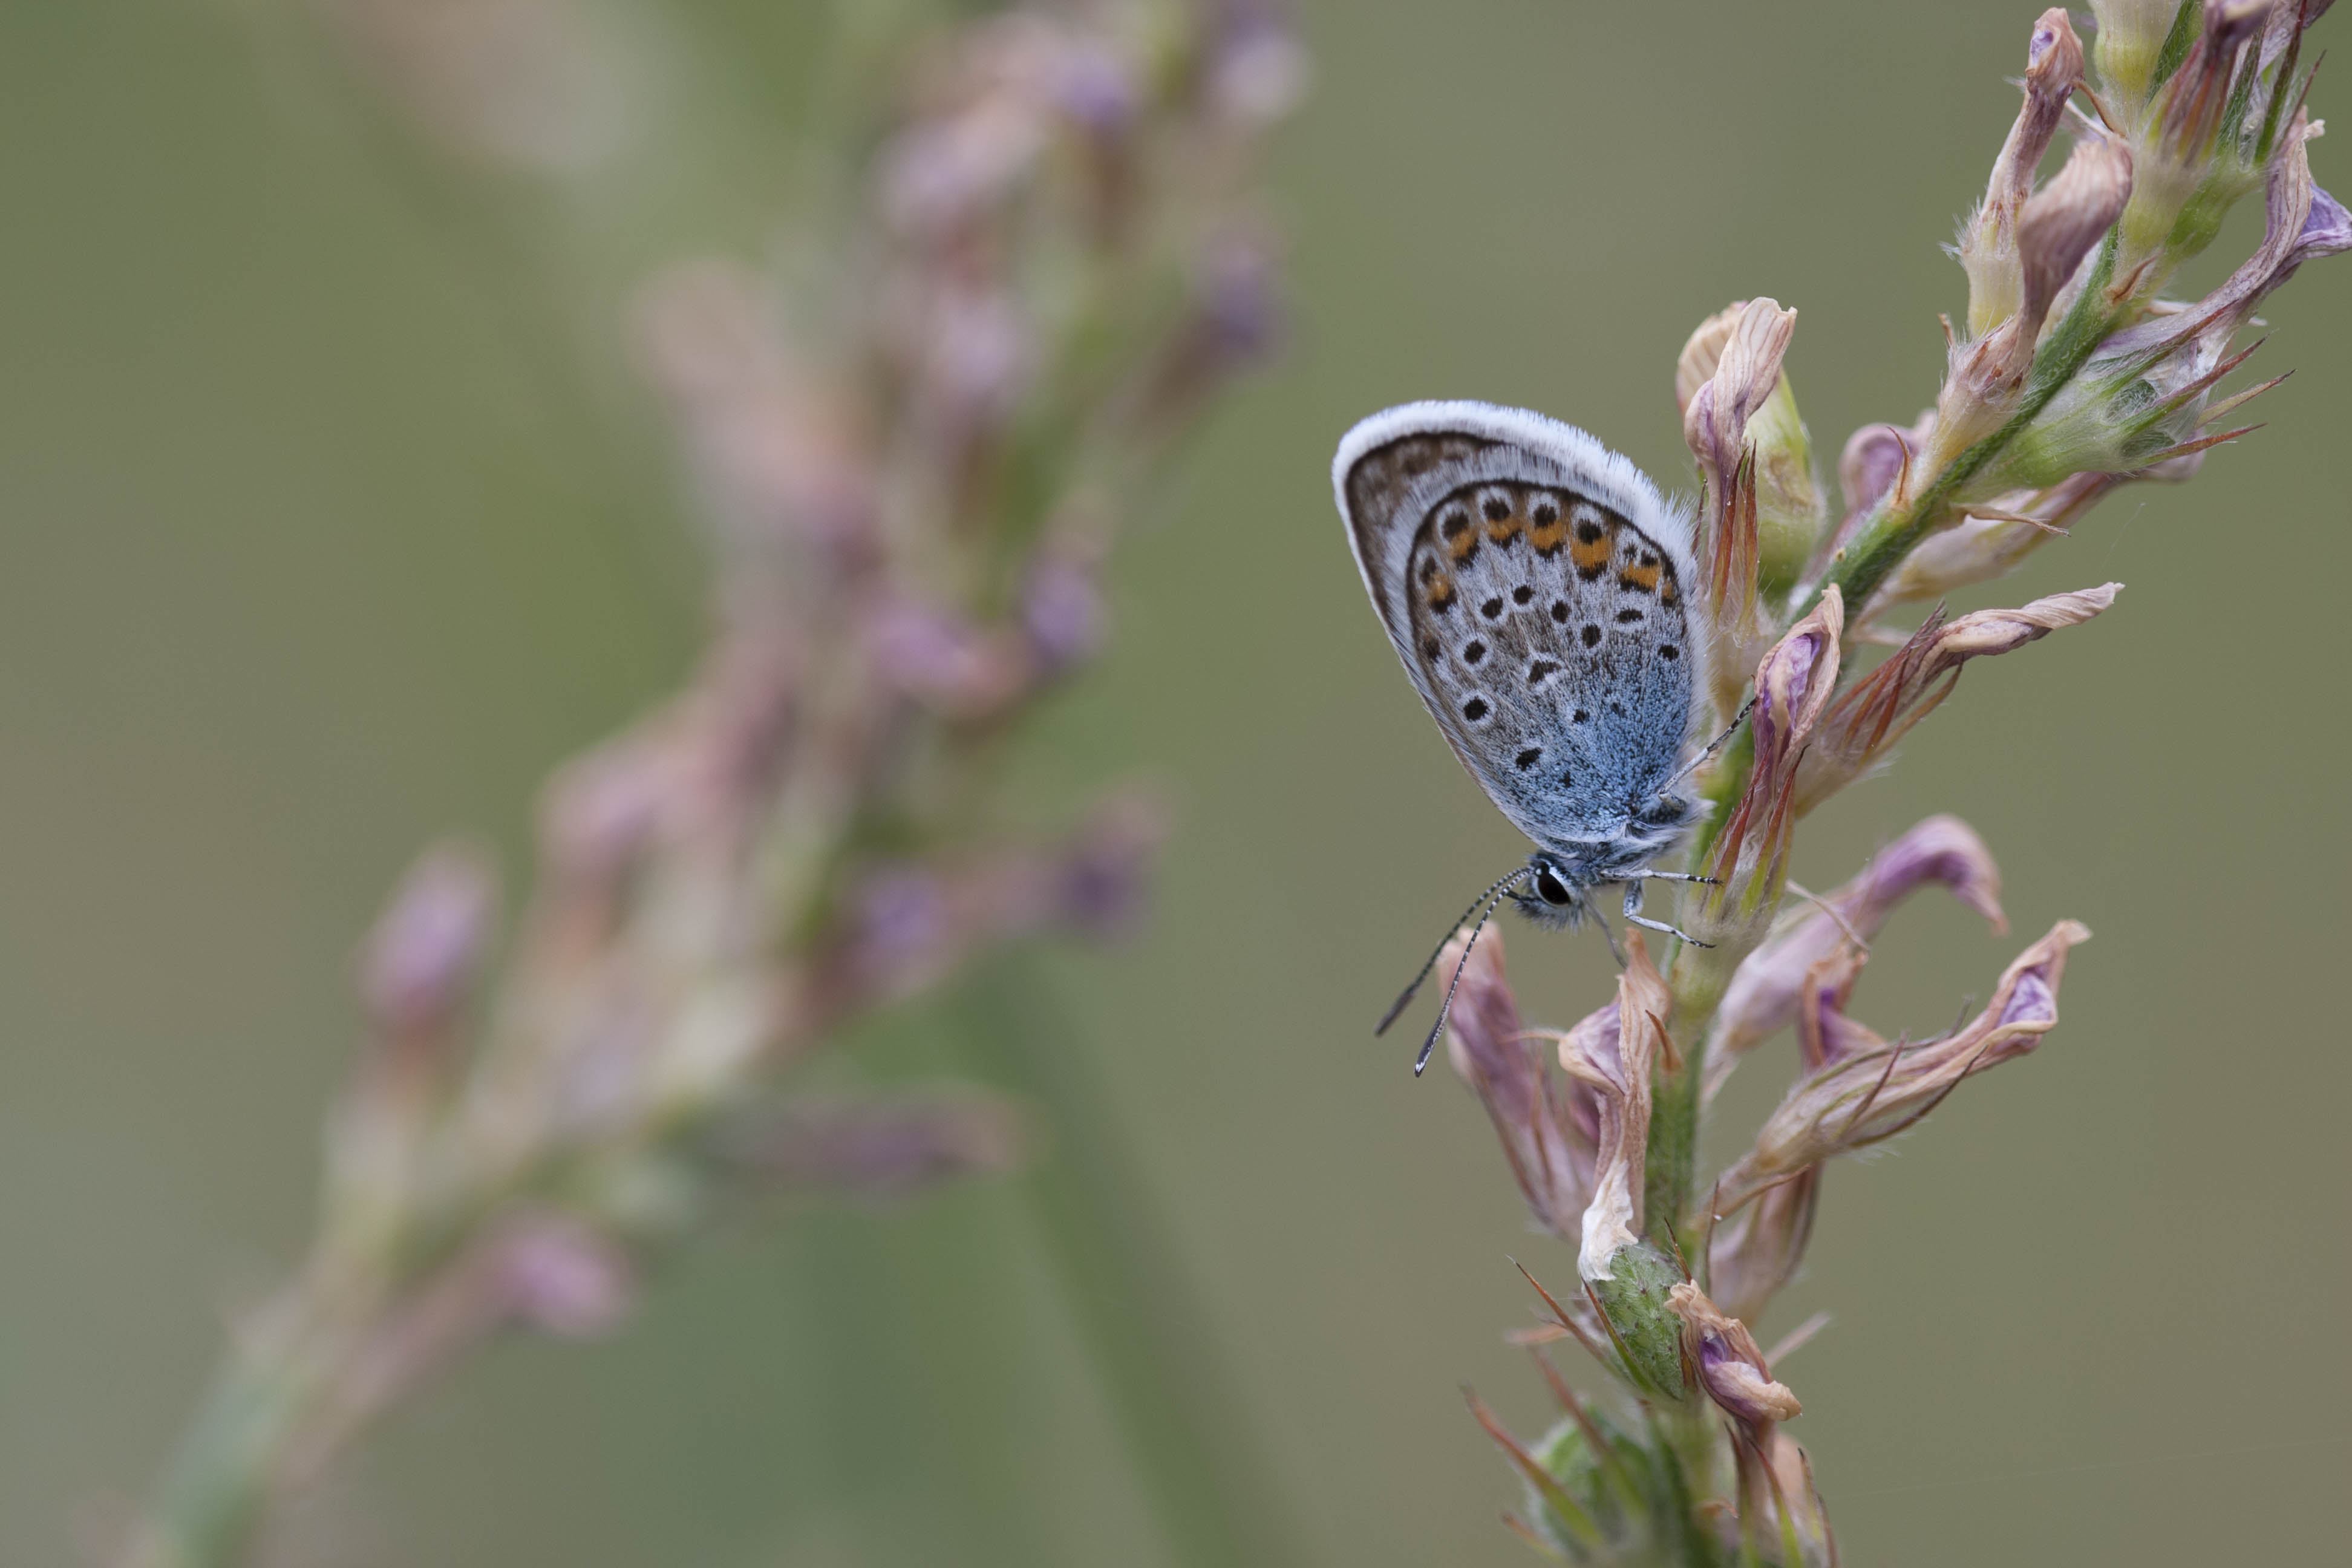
<point>1671,876</point>
<point>1633,897</point>
<point>1670,930</point>
<point>1615,951</point>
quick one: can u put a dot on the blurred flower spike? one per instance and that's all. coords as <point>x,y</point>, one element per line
<point>2068,376</point>
<point>912,445</point>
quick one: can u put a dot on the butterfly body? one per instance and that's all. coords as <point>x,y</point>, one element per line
<point>1536,587</point>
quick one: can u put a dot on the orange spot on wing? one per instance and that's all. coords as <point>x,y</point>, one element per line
<point>1641,579</point>
<point>1502,529</point>
<point>1668,593</point>
<point>1591,554</point>
<point>1441,593</point>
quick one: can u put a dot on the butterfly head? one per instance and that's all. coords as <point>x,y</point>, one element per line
<point>1551,892</point>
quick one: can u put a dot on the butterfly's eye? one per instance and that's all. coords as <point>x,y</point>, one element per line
<point>1551,890</point>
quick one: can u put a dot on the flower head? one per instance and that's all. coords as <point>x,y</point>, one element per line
<point>1862,1090</point>
<point>1878,710</point>
<point>1762,997</point>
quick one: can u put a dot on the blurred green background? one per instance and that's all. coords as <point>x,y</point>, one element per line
<point>334,515</point>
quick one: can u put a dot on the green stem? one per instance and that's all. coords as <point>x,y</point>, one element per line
<point>1147,1334</point>
<point>217,1490</point>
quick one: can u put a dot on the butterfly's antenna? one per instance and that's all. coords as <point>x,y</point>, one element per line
<point>1445,1008</point>
<point>1398,1004</point>
<point>1712,746</point>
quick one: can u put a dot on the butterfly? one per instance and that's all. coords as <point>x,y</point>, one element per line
<point>1537,587</point>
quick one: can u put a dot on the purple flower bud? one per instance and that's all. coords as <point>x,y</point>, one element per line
<point>556,1274</point>
<point>929,652</point>
<point>1062,609</point>
<point>419,963</point>
<point>1730,1368</point>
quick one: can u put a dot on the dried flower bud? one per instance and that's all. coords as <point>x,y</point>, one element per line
<point>1988,247</point>
<point>1548,1135</point>
<point>1762,997</point>
<point>1748,861</point>
<point>1878,710</point>
<point>2062,220</point>
<point>1739,422</point>
<point>419,963</point>
<point>1614,1064</point>
<point>1871,1090</point>
<point>1730,1368</point>
<point>2143,398</point>
<point>2055,230</point>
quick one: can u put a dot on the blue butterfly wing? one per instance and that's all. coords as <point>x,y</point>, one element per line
<point>1544,626</point>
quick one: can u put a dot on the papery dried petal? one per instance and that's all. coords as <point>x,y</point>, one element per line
<point>1861,1097</point>
<point>1615,1066</point>
<point>1763,994</point>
